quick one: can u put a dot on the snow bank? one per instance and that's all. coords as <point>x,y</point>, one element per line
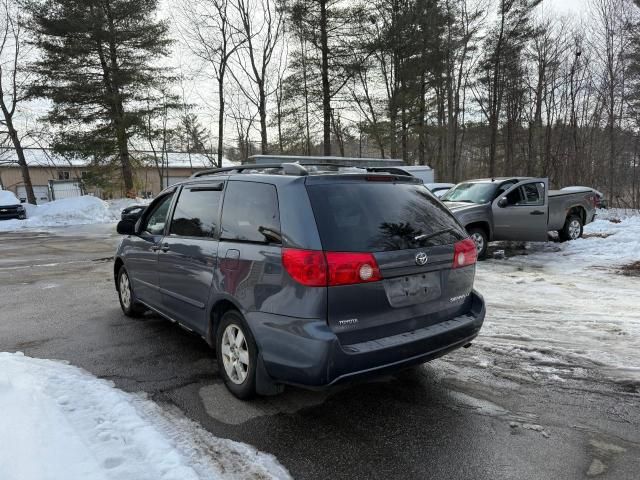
<point>59,422</point>
<point>70,211</point>
<point>565,308</point>
<point>606,244</point>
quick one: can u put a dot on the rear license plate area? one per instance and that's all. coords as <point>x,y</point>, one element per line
<point>413,289</point>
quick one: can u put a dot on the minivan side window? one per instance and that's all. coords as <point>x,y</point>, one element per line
<point>197,212</point>
<point>155,222</point>
<point>250,213</point>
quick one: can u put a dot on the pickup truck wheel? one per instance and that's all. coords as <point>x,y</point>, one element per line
<point>130,307</point>
<point>237,355</point>
<point>479,237</point>
<point>572,229</point>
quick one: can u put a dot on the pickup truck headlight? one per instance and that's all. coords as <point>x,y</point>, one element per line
<point>20,208</point>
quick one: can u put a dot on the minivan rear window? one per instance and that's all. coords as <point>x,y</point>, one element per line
<point>380,216</point>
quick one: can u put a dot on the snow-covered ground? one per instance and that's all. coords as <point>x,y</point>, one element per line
<point>71,211</point>
<point>58,422</point>
<point>566,308</point>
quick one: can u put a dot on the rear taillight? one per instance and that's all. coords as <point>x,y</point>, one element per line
<point>307,267</point>
<point>350,268</point>
<point>464,253</point>
<point>315,268</point>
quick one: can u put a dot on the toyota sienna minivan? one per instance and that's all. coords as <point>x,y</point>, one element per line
<point>305,276</point>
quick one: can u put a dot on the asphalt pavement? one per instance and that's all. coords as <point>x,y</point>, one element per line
<point>449,419</point>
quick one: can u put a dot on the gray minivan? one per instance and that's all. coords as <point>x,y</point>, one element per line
<point>303,276</point>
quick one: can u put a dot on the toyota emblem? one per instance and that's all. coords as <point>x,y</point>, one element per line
<point>421,258</point>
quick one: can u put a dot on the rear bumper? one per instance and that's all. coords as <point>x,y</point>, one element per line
<point>306,352</point>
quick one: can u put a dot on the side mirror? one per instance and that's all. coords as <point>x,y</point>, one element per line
<point>503,202</point>
<point>127,226</point>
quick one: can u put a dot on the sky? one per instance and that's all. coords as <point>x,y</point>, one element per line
<point>204,91</point>
<point>567,6</point>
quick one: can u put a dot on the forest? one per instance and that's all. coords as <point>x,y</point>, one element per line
<point>473,88</point>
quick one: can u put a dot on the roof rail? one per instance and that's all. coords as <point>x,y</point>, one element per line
<point>287,168</point>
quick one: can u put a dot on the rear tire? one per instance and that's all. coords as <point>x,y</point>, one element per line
<point>237,355</point>
<point>481,239</point>
<point>572,229</point>
<point>130,307</point>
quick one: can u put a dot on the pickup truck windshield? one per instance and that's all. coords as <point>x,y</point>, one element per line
<point>471,193</point>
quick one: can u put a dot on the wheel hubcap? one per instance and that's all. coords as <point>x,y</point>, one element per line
<point>125,290</point>
<point>235,354</point>
<point>574,229</point>
<point>479,241</point>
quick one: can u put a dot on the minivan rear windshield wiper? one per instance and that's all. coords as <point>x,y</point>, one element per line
<point>420,238</point>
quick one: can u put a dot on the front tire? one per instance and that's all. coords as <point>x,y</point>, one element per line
<point>481,239</point>
<point>237,355</point>
<point>572,229</point>
<point>130,307</point>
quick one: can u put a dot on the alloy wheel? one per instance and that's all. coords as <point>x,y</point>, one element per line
<point>235,354</point>
<point>479,241</point>
<point>574,229</point>
<point>125,290</point>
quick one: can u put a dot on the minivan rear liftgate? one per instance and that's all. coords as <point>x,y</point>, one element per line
<point>422,264</point>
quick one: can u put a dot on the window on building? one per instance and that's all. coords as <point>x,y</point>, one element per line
<point>63,175</point>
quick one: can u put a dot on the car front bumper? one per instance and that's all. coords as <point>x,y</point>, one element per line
<point>13,216</point>
<point>306,352</point>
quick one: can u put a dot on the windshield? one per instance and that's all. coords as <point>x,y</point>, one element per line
<point>471,193</point>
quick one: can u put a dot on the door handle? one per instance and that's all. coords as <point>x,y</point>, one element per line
<point>537,212</point>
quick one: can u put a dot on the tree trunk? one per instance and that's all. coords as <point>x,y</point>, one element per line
<point>326,92</point>
<point>262,110</point>
<point>22,162</point>
<point>306,98</point>
<point>221,107</point>
<point>421,123</point>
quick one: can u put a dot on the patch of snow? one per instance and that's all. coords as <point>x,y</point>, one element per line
<point>78,427</point>
<point>71,211</point>
<point>564,307</point>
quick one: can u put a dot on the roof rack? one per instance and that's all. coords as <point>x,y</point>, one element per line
<point>392,170</point>
<point>287,169</point>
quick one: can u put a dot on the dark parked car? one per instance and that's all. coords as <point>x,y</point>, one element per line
<point>304,277</point>
<point>133,212</point>
<point>10,206</point>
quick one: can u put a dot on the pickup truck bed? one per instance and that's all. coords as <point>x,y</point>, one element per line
<point>561,201</point>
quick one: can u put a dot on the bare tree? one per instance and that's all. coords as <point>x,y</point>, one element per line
<point>260,30</point>
<point>207,29</point>
<point>611,40</point>
<point>11,80</point>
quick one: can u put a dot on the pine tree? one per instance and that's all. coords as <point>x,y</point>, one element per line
<point>191,134</point>
<point>97,64</point>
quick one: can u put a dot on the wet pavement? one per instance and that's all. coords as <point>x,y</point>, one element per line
<point>473,414</point>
